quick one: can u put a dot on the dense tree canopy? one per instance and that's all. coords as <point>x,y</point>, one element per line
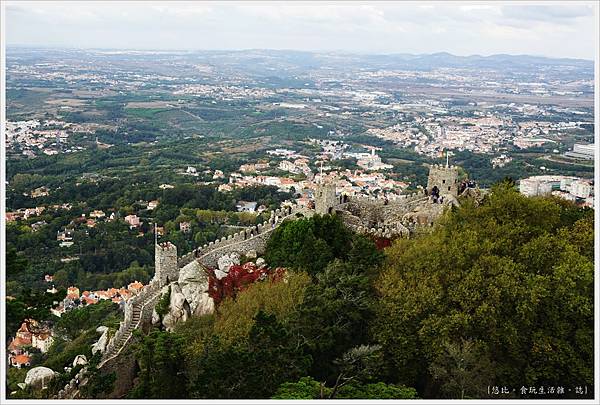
<point>309,244</point>
<point>514,277</point>
<point>498,293</point>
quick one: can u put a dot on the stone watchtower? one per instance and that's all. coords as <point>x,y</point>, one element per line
<point>325,198</point>
<point>165,263</point>
<point>445,178</point>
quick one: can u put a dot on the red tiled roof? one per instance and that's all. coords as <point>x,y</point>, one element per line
<point>21,359</point>
<point>18,343</point>
<point>90,301</point>
<point>24,327</point>
<point>136,285</point>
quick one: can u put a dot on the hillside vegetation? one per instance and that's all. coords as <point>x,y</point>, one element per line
<point>498,294</point>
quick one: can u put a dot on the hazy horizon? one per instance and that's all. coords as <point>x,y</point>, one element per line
<point>375,28</point>
<point>340,52</point>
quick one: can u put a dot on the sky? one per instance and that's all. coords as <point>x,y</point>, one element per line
<point>462,28</point>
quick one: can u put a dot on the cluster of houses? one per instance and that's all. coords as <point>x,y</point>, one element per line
<point>192,171</point>
<point>366,181</point>
<point>298,166</point>
<point>31,334</point>
<point>65,236</point>
<point>90,220</point>
<point>349,182</point>
<point>75,299</point>
<point>26,213</point>
<point>36,335</point>
<point>575,189</point>
<point>34,137</point>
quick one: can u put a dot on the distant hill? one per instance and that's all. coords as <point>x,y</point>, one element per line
<point>439,59</point>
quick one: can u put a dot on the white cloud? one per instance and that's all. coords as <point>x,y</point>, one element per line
<point>383,27</point>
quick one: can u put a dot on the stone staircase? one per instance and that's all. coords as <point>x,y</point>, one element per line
<point>120,342</point>
<point>145,301</point>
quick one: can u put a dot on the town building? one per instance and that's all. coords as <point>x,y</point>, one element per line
<point>135,287</point>
<point>64,235</point>
<point>42,341</point>
<point>97,214</point>
<point>567,187</point>
<point>20,360</point>
<point>73,293</point>
<point>185,227</point>
<point>582,151</point>
<point>40,192</point>
<point>246,206</point>
<point>581,188</point>
<point>133,220</point>
<point>534,186</point>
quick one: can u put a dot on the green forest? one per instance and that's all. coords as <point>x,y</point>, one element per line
<point>497,294</point>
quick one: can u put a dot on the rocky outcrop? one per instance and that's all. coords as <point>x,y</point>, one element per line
<point>100,345</point>
<point>225,262</point>
<point>189,295</point>
<point>427,213</point>
<point>193,282</point>
<point>39,377</point>
<point>155,317</point>
<point>475,194</point>
<point>179,308</point>
<point>79,360</point>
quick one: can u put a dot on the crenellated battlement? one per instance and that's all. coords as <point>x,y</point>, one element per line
<point>444,178</point>
<point>401,199</point>
<point>234,240</point>
<point>363,214</point>
<point>166,246</point>
<point>397,230</point>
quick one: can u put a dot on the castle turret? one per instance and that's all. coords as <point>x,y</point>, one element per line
<point>165,263</point>
<point>445,178</point>
<point>325,198</point>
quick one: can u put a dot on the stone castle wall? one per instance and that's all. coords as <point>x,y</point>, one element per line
<point>138,310</point>
<point>375,216</point>
<point>254,238</point>
<point>360,213</point>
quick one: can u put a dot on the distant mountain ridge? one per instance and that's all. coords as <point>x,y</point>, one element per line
<point>292,62</point>
<point>401,55</point>
<point>439,59</point>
